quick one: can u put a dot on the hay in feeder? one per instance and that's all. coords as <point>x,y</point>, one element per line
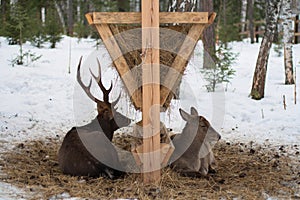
<point>129,39</point>
<point>244,171</point>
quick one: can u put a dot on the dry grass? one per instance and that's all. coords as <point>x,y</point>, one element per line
<point>243,172</point>
<point>129,39</point>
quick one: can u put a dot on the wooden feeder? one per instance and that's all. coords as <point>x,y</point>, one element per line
<point>166,146</point>
<point>150,87</point>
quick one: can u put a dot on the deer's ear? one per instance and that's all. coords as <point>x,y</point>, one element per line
<point>194,111</point>
<point>185,116</point>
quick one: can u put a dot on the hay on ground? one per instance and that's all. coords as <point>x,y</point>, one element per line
<point>243,172</point>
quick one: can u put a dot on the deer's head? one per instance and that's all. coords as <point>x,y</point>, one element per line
<point>107,112</point>
<point>199,125</point>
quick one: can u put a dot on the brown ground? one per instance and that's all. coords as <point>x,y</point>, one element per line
<point>244,171</point>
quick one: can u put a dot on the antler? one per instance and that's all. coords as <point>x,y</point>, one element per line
<point>100,84</point>
<point>98,79</point>
<point>87,89</point>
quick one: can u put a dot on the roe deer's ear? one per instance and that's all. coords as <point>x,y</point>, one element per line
<point>185,116</point>
<point>194,111</point>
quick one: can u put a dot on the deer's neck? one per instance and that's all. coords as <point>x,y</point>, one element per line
<point>105,127</point>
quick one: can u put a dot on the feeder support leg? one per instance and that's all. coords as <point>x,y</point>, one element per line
<point>151,91</point>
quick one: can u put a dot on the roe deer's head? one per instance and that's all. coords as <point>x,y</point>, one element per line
<point>199,125</point>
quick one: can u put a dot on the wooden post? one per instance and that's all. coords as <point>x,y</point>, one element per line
<point>151,91</point>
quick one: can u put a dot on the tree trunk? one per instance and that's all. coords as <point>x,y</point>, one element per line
<point>78,11</point>
<point>61,16</point>
<point>135,5</point>
<point>182,5</point>
<point>288,34</point>
<point>43,15</point>
<point>70,18</point>
<point>297,30</point>
<point>250,19</point>
<point>208,37</point>
<point>224,17</point>
<point>243,15</point>
<point>3,11</point>
<point>258,85</point>
<point>278,29</point>
<point>296,12</point>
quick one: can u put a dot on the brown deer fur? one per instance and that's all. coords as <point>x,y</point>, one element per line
<point>187,157</point>
<point>74,158</point>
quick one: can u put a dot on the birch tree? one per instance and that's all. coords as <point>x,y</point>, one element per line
<point>258,85</point>
<point>288,35</point>
<point>182,5</point>
<point>59,10</point>
<point>78,11</point>
<point>250,14</point>
<point>243,14</point>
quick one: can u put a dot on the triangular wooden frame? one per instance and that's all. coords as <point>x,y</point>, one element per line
<point>101,21</point>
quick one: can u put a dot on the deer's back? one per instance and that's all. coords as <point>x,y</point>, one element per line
<point>75,159</point>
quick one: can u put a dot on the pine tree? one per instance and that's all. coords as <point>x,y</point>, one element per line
<point>16,24</point>
<point>19,17</point>
<point>227,30</point>
<point>37,35</point>
<point>4,15</point>
<point>52,28</point>
<point>221,70</point>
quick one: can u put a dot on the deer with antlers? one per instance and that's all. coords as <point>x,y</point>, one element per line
<point>87,150</point>
<point>193,155</point>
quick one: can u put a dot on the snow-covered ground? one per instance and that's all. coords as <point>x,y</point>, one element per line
<point>44,100</point>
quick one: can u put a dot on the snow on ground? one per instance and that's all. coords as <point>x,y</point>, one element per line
<point>264,119</point>
<point>43,99</point>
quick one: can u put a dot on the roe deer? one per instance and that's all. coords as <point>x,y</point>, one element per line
<point>193,155</point>
<point>74,158</point>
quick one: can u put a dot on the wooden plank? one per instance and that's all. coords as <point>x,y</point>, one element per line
<point>151,91</point>
<point>120,63</point>
<point>136,17</point>
<point>184,54</point>
<point>89,18</point>
<point>183,17</point>
<point>178,66</point>
<point>166,150</point>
